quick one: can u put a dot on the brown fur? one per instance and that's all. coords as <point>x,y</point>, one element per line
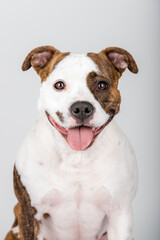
<point>109,99</point>
<point>46,215</point>
<point>60,115</point>
<point>24,213</point>
<point>44,70</point>
<point>132,66</point>
<point>11,236</point>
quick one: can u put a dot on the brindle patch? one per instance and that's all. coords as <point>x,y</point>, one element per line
<point>60,116</point>
<point>45,69</point>
<point>125,56</point>
<point>109,99</point>
<point>24,212</point>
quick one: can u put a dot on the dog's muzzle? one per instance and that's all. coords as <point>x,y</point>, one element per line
<point>83,134</point>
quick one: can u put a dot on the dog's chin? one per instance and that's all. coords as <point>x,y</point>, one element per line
<point>79,137</point>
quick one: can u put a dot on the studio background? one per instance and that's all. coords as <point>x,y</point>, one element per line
<point>82,26</point>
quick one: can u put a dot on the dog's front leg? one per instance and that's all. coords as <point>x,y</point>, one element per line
<point>24,212</point>
<point>120,224</point>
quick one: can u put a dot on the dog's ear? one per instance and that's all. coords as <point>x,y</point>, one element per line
<point>43,60</point>
<point>120,59</point>
<point>39,57</point>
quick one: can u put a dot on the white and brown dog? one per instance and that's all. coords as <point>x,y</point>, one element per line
<point>75,176</point>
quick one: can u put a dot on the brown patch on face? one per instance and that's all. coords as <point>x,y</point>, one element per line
<point>60,116</point>
<point>110,98</point>
<point>46,215</point>
<point>110,73</point>
<point>43,60</point>
<point>24,212</point>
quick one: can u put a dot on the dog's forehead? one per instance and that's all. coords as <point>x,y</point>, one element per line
<point>74,65</point>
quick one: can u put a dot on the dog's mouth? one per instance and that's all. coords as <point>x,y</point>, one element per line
<point>79,137</point>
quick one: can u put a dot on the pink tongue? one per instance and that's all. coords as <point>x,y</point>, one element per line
<point>80,138</point>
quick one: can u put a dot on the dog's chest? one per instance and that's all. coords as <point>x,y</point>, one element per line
<point>75,200</point>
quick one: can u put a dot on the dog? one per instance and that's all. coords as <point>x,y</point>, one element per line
<point>75,175</point>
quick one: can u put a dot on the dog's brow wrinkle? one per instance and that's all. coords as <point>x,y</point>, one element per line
<point>60,115</point>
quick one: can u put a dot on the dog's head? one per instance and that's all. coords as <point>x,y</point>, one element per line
<point>79,93</point>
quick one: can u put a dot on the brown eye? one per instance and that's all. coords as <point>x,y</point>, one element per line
<point>102,85</point>
<point>59,85</point>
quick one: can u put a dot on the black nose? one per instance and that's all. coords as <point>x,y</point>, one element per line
<point>81,109</point>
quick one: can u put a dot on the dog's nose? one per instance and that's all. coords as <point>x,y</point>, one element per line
<point>81,109</point>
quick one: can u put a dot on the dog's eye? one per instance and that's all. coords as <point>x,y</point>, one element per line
<point>102,85</point>
<point>59,85</point>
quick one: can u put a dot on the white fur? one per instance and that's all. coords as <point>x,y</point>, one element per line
<point>86,193</point>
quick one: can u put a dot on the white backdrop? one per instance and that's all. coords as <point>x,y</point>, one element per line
<point>82,26</point>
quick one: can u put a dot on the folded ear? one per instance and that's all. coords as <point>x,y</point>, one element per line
<point>39,57</point>
<point>120,59</point>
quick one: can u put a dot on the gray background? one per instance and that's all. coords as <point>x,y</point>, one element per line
<point>82,26</point>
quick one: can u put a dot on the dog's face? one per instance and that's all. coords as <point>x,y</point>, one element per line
<point>79,93</point>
